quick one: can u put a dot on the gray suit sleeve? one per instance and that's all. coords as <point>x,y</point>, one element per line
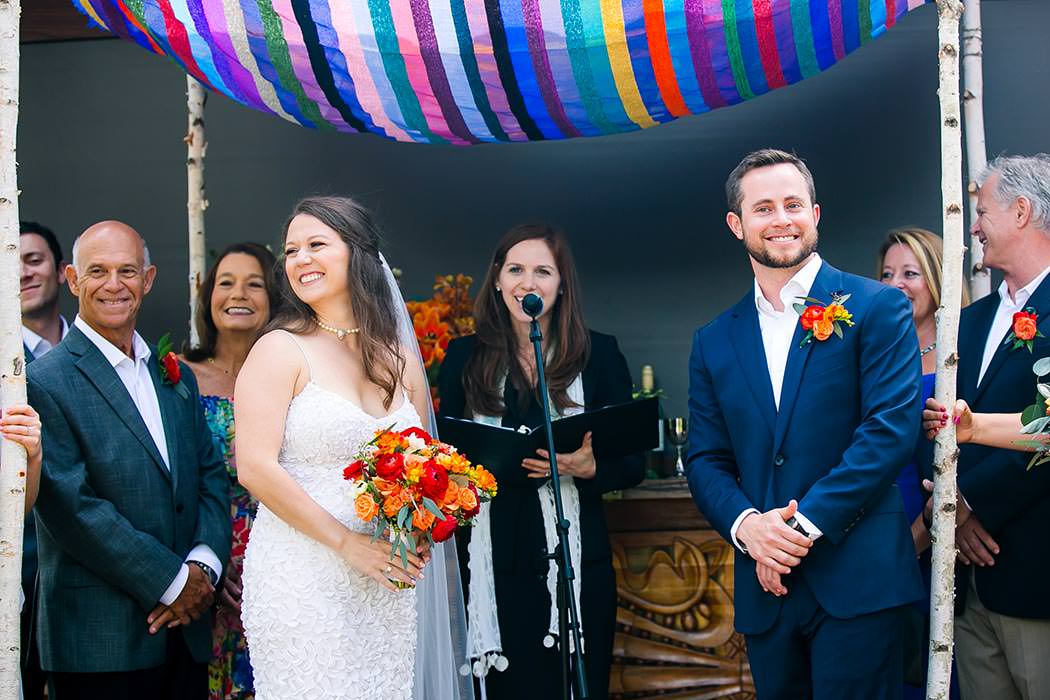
<point>213,515</point>
<point>89,528</point>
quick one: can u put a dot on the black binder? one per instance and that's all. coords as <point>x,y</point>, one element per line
<point>616,431</point>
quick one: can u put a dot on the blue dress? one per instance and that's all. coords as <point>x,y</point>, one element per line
<point>910,483</point>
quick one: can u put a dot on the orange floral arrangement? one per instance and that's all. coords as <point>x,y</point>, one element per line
<point>416,487</point>
<point>448,314</point>
<point>821,321</point>
<point>1024,329</point>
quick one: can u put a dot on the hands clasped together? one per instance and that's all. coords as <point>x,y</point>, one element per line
<point>372,558</point>
<point>775,546</point>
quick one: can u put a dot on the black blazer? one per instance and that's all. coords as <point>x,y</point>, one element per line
<point>1012,503</point>
<point>517,526</point>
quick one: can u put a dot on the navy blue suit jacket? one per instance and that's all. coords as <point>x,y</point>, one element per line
<point>1012,503</point>
<point>847,424</point>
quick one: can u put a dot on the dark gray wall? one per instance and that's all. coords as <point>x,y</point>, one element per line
<point>101,137</point>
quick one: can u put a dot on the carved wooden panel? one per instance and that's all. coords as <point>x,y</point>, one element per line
<point>675,637</point>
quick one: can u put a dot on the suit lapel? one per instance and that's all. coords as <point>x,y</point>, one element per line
<point>751,354</point>
<point>1040,301</point>
<point>971,345</point>
<point>93,365</point>
<point>29,356</point>
<point>799,356</point>
<point>169,414</point>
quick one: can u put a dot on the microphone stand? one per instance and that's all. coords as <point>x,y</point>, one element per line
<point>568,612</point>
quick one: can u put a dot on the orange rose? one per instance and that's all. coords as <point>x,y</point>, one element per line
<point>365,507</point>
<point>422,519</point>
<point>1025,325</point>
<point>393,504</point>
<point>451,497</point>
<point>468,501</point>
<point>823,329</point>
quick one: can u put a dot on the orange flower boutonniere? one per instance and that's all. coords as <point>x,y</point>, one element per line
<point>1024,329</point>
<point>820,321</point>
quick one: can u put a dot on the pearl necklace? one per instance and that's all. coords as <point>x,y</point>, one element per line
<point>339,333</point>
<point>926,350</point>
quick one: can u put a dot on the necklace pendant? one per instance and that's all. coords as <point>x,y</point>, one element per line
<point>340,334</point>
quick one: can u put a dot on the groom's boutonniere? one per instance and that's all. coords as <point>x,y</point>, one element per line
<point>170,371</point>
<point>1024,329</point>
<point>820,321</point>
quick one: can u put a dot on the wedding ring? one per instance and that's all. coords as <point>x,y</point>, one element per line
<point>548,472</point>
<point>389,568</point>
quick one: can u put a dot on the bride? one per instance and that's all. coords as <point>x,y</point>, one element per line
<point>322,613</point>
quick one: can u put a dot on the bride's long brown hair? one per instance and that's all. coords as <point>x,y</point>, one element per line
<point>370,296</point>
<point>496,352</point>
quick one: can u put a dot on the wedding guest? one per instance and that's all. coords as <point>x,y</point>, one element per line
<point>236,300</point>
<point>133,512</point>
<point>1003,630</point>
<point>42,329</point>
<point>910,260</point>
<point>490,377</point>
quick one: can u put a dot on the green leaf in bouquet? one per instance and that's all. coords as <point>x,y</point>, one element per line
<point>403,516</point>
<point>1035,426</point>
<point>1032,413</point>
<point>393,545</point>
<point>843,299</point>
<point>433,508</point>
<point>799,308</point>
<point>1044,390</point>
<point>411,541</point>
<point>1037,445</point>
<point>404,554</point>
<point>1041,368</point>
<point>838,330</point>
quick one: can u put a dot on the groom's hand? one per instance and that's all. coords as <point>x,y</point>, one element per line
<point>771,542</point>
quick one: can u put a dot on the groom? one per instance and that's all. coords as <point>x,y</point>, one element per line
<point>799,425</point>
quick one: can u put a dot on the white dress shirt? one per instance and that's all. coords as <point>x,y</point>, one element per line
<point>778,329</point>
<point>39,345</point>
<point>135,375</point>
<point>1004,317</point>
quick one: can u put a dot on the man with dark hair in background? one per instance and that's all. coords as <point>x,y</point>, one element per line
<point>42,328</point>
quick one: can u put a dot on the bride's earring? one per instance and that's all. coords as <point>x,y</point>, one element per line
<point>498,289</point>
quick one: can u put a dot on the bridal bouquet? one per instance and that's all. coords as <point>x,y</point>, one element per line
<point>415,486</point>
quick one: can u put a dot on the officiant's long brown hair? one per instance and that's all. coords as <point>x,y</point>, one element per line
<point>496,352</point>
<point>371,298</point>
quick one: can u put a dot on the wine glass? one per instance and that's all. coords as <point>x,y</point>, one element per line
<point>678,432</point>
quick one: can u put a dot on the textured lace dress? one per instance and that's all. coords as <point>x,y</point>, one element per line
<point>316,628</point>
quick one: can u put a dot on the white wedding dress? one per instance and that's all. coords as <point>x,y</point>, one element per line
<point>316,628</point>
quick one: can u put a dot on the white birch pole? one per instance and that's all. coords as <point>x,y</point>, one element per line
<point>946,452</point>
<point>976,155</point>
<point>196,145</point>
<point>12,363</point>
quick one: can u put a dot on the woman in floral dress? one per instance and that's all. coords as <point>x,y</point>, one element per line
<point>238,297</point>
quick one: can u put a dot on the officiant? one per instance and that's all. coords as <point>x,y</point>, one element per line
<point>490,377</point>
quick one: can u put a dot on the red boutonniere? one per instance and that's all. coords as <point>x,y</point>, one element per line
<point>1024,329</point>
<point>170,371</point>
<point>820,321</point>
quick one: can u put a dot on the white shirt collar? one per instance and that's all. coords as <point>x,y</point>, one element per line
<point>797,286</point>
<point>112,353</point>
<point>1024,293</point>
<point>32,340</point>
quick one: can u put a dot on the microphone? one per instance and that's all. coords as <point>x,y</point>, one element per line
<point>532,305</point>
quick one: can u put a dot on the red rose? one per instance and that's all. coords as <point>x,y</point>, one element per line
<point>444,528</point>
<point>354,471</point>
<point>172,373</point>
<point>434,480</point>
<point>416,432</point>
<point>811,315</point>
<point>1025,325</point>
<point>390,467</point>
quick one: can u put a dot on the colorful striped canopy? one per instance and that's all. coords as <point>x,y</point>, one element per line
<point>474,71</point>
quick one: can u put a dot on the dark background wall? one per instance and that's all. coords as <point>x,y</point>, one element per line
<point>102,123</point>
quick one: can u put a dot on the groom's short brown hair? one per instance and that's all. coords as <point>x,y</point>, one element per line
<point>760,159</point>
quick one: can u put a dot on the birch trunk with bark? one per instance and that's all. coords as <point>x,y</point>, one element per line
<point>946,452</point>
<point>12,362</point>
<point>196,145</point>
<point>973,119</point>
